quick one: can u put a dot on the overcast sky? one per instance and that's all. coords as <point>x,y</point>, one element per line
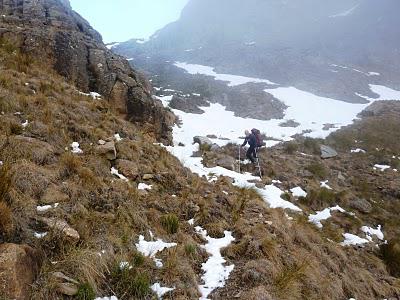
<point>121,20</point>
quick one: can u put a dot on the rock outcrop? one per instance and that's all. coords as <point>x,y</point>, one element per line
<point>51,30</point>
<point>19,266</point>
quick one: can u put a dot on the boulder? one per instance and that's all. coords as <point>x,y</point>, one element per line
<point>202,140</point>
<point>19,266</point>
<point>65,285</point>
<point>361,205</point>
<point>127,168</point>
<point>62,227</point>
<point>328,152</point>
<point>227,162</point>
<point>107,150</point>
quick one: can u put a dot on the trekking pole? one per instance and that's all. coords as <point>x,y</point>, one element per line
<point>258,164</point>
<point>239,158</point>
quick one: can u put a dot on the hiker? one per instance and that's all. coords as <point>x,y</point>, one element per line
<point>250,139</point>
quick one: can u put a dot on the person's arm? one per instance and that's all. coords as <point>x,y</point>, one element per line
<point>245,142</point>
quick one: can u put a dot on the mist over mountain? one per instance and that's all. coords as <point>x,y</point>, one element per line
<point>331,48</point>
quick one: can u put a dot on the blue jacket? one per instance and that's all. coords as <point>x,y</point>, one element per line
<point>251,140</point>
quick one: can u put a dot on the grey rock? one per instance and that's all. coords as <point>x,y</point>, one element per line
<point>227,162</point>
<point>202,140</point>
<point>361,205</point>
<point>328,152</point>
<point>341,176</point>
<point>108,150</point>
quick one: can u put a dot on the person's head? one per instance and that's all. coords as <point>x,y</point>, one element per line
<point>247,133</point>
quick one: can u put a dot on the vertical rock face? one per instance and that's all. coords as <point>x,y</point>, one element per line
<point>52,31</point>
<point>19,265</point>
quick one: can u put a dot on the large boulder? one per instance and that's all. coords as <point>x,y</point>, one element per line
<point>227,162</point>
<point>328,152</point>
<point>19,266</point>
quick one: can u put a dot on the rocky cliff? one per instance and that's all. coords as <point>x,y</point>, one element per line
<point>52,31</point>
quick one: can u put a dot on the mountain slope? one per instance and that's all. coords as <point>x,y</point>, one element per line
<point>87,199</point>
<point>49,30</point>
<point>296,43</point>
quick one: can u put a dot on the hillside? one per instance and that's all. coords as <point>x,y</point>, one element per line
<point>92,204</point>
<point>331,49</point>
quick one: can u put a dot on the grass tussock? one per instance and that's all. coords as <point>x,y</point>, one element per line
<point>170,223</point>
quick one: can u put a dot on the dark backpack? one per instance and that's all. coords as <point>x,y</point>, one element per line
<point>257,134</point>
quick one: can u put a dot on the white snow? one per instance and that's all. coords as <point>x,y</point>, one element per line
<point>358,150</point>
<point>151,248</point>
<point>298,192</point>
<point>351,239</point>
<point>115,172</point>
<point>233,80</point>
<point>374,74</point>
<point>250,43</point>
<point>381,167</point>
<point>143,186</point>
<point>370,232</point>
<point>323,215</point>
<point>75,148</point>
<point>107,298</point>
<point>159,290</point>
<point>25,124</point>
<point>165,99</point>
<point>215,273</point>
<point>324,184</point>
<point>45,208</point>
<point>112,45</point>
<point>40,235</point>
<point>117,137</point>
<point>94,95</point>
<point>191,222</point>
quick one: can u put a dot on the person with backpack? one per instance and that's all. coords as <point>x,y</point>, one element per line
<point>250,139</point>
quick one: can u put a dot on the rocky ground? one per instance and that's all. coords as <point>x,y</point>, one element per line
<point>91,205</point>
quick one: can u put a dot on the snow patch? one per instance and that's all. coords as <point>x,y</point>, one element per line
<point>143,186</point>
<point>159,290</point>
<point>115,172</point>
<point>345,13</point>
<point>324,184</point>
<point>233,80</point>
<point>358,150</point>
<point>324,215</point>
<point>151,248</point>
<point>75,148</point>
<point>40,235</point>
<point>45,208</point>
<point>215,273</point>
<point>353,240</point>
<point>370,232</point>
<point>107,298</point>
<point>381,167</point>
<point>298,192</point>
